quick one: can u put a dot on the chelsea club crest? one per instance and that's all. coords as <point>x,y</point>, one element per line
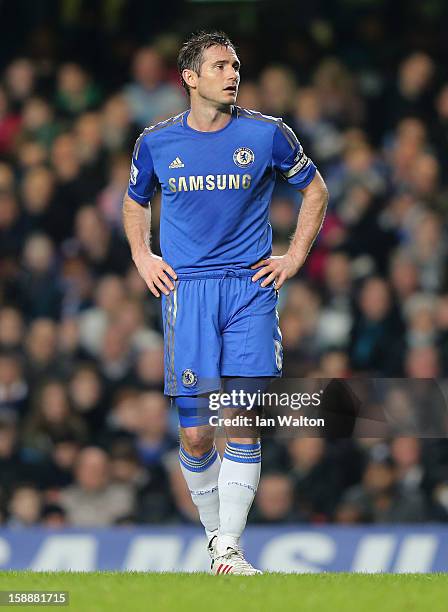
<point>243,157</point>
<point>189,378</point>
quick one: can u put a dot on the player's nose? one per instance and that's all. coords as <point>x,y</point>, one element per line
<point>234,75</point>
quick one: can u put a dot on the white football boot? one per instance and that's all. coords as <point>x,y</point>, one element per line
<point>232,562</point>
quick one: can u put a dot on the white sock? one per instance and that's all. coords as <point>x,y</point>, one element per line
<point>201,475</point>
<point>237,485</point>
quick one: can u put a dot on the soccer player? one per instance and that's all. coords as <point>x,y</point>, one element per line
<point>216,166</point>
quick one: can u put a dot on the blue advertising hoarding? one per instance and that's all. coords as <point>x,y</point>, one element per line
<point>287,549</point>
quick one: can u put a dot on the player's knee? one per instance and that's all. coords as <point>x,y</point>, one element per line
<point>197,440</point>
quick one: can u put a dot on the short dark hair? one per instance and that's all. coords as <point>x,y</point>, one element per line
<point>190,54</point>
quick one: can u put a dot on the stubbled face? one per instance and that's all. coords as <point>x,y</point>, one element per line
<point>218,78</point>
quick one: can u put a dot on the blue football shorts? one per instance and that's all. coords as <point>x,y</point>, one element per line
<point>219,324</point>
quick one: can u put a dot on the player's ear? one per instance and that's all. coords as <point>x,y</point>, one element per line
<point>190,77</point>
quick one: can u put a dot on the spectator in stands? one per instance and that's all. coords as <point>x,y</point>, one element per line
<point>382,500</point>
<point>249,95</point>
<point>24,506</point>
<point>154,503</point>
<point>119,132</point>
<point>149,369</point>
<point>319,136</point>
<point>110,199</point>
<point>30,154</point>
<point>123,419</point>
<point>70,352</point>
<point>336,319</point>
<point>334,364</point>
<point>20,81</point>
<point>422,362</point>
<point>14,389</point>
<point>40,295</point>
<point>7,182</point>
<point>153,439</point>
<point>51,418</point>
<point>53,516</point>
<point>274,502</point>
<point>12,329</point>
<point>104,252</point>
<point>277,88</point>
<point>37,200</point>
<point>91,151</point>
<point>376,338</point>
<point>108,299</point>
<point>86,395</point>
<point>429,251</point>
<point>115,359</point>
<point>406,454</point>
<point>56,470</point>
<point>412,90</point>
<point>348,513</point>
<point>149,96</point>
<point>70,188</point>
<point>41,350</point>
<point>13,466</point>
<point>336,90</point>
<point>39,124</point>
<point>404,276</point>
<point>315,478</point>
<point>419,310</point>
<point>93,500</point>
<point>76,92</point>
<point>130,319</point>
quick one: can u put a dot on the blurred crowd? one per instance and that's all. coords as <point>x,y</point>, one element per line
<point>86,435</point>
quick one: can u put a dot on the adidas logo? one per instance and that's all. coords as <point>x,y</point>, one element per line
<point>176,163</point>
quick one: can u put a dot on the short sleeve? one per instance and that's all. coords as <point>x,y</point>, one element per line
<point>143,180</point>
<point>289,158</point>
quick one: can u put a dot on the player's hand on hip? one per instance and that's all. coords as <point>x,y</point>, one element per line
<point>275,268</point>
<point>156,273</point>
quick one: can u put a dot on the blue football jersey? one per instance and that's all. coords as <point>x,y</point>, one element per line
<point>216,186</point>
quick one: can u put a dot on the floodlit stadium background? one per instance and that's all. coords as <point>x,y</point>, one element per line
<point>86,436</point>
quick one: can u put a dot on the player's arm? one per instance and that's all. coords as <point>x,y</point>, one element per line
<point>299,170</point>
<point>137,223</point>
<point>152,268</point>
<point>309,222</point>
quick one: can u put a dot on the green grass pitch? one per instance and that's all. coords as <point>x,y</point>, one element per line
<point>136,591</point>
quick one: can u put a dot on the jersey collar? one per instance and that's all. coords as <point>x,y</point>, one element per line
<point>233,116</point>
